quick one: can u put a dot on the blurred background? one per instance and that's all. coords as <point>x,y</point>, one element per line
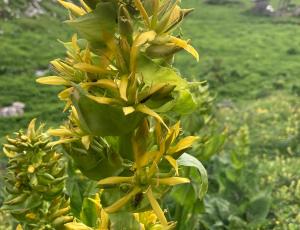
<point>249,110</point>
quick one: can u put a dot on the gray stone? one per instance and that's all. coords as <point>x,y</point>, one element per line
<point>262,7</point>
<point>41,72</point>
<point>34,9</point>
<point>14,110</point>
<point>296,12</point>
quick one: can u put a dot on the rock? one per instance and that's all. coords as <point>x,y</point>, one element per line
<point>41,72</point>
<point>296,12</point>
<point>270,9</point>
<point>15,110</point>
<point>17,9</point>
<point>263,8</point>
<point>34,9</point>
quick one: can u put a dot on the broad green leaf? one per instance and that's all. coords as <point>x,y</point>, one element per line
<point>187,191</point>
<point>152,73</point>
<point>103,18</point>
<point>32,201</point>
<point>258,208</point>
<point>236,222</point>
<point>102,119</point>
<point>88,213</point>
<point>75,194</point>
<point>185,103</point>
<point>97,162</point>
<point>77,189</point>
<point>125,147</point>
<point>237,163</point>
<point>190,161</point>
<point>213,146</point>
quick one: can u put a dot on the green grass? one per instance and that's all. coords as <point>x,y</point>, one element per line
<point>253,61</point>
<point>255,52</point>
<point>27,45</point>
<point>258,56</point>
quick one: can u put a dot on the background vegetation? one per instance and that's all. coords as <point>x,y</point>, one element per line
<point>252,65</point>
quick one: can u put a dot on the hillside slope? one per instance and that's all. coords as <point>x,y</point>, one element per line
<point>26,46</point>
<point>251,63</point>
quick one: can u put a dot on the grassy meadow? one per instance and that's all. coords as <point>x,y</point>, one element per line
<point>27,45</point>
<point>252,65</point>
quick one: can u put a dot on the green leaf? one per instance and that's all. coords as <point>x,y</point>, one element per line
<point>97,162</point>
<point>186,191</point>
<point>258,208</point>
<point>185,103</point>
<point>103,18</point>
<point>236,222</point>
<point>213,146</point>
<point>88,213</point>
<point>152,73</point>
<point>103,120</point>
<point>125,147</point>
<point>75,194</point>
<point>236,162</point>
<point>190,161</point>
<point>31,202</point>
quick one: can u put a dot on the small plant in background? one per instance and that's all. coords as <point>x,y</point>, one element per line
<point>282,175</point>
<point>202,122</point>
<point>6,221</point>
<point>235,200</point>
<point>124,101</point>
<point>254,180</point>
<point>35,181</point>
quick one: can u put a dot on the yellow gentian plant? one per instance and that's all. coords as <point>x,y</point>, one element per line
<point>124,100</point>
